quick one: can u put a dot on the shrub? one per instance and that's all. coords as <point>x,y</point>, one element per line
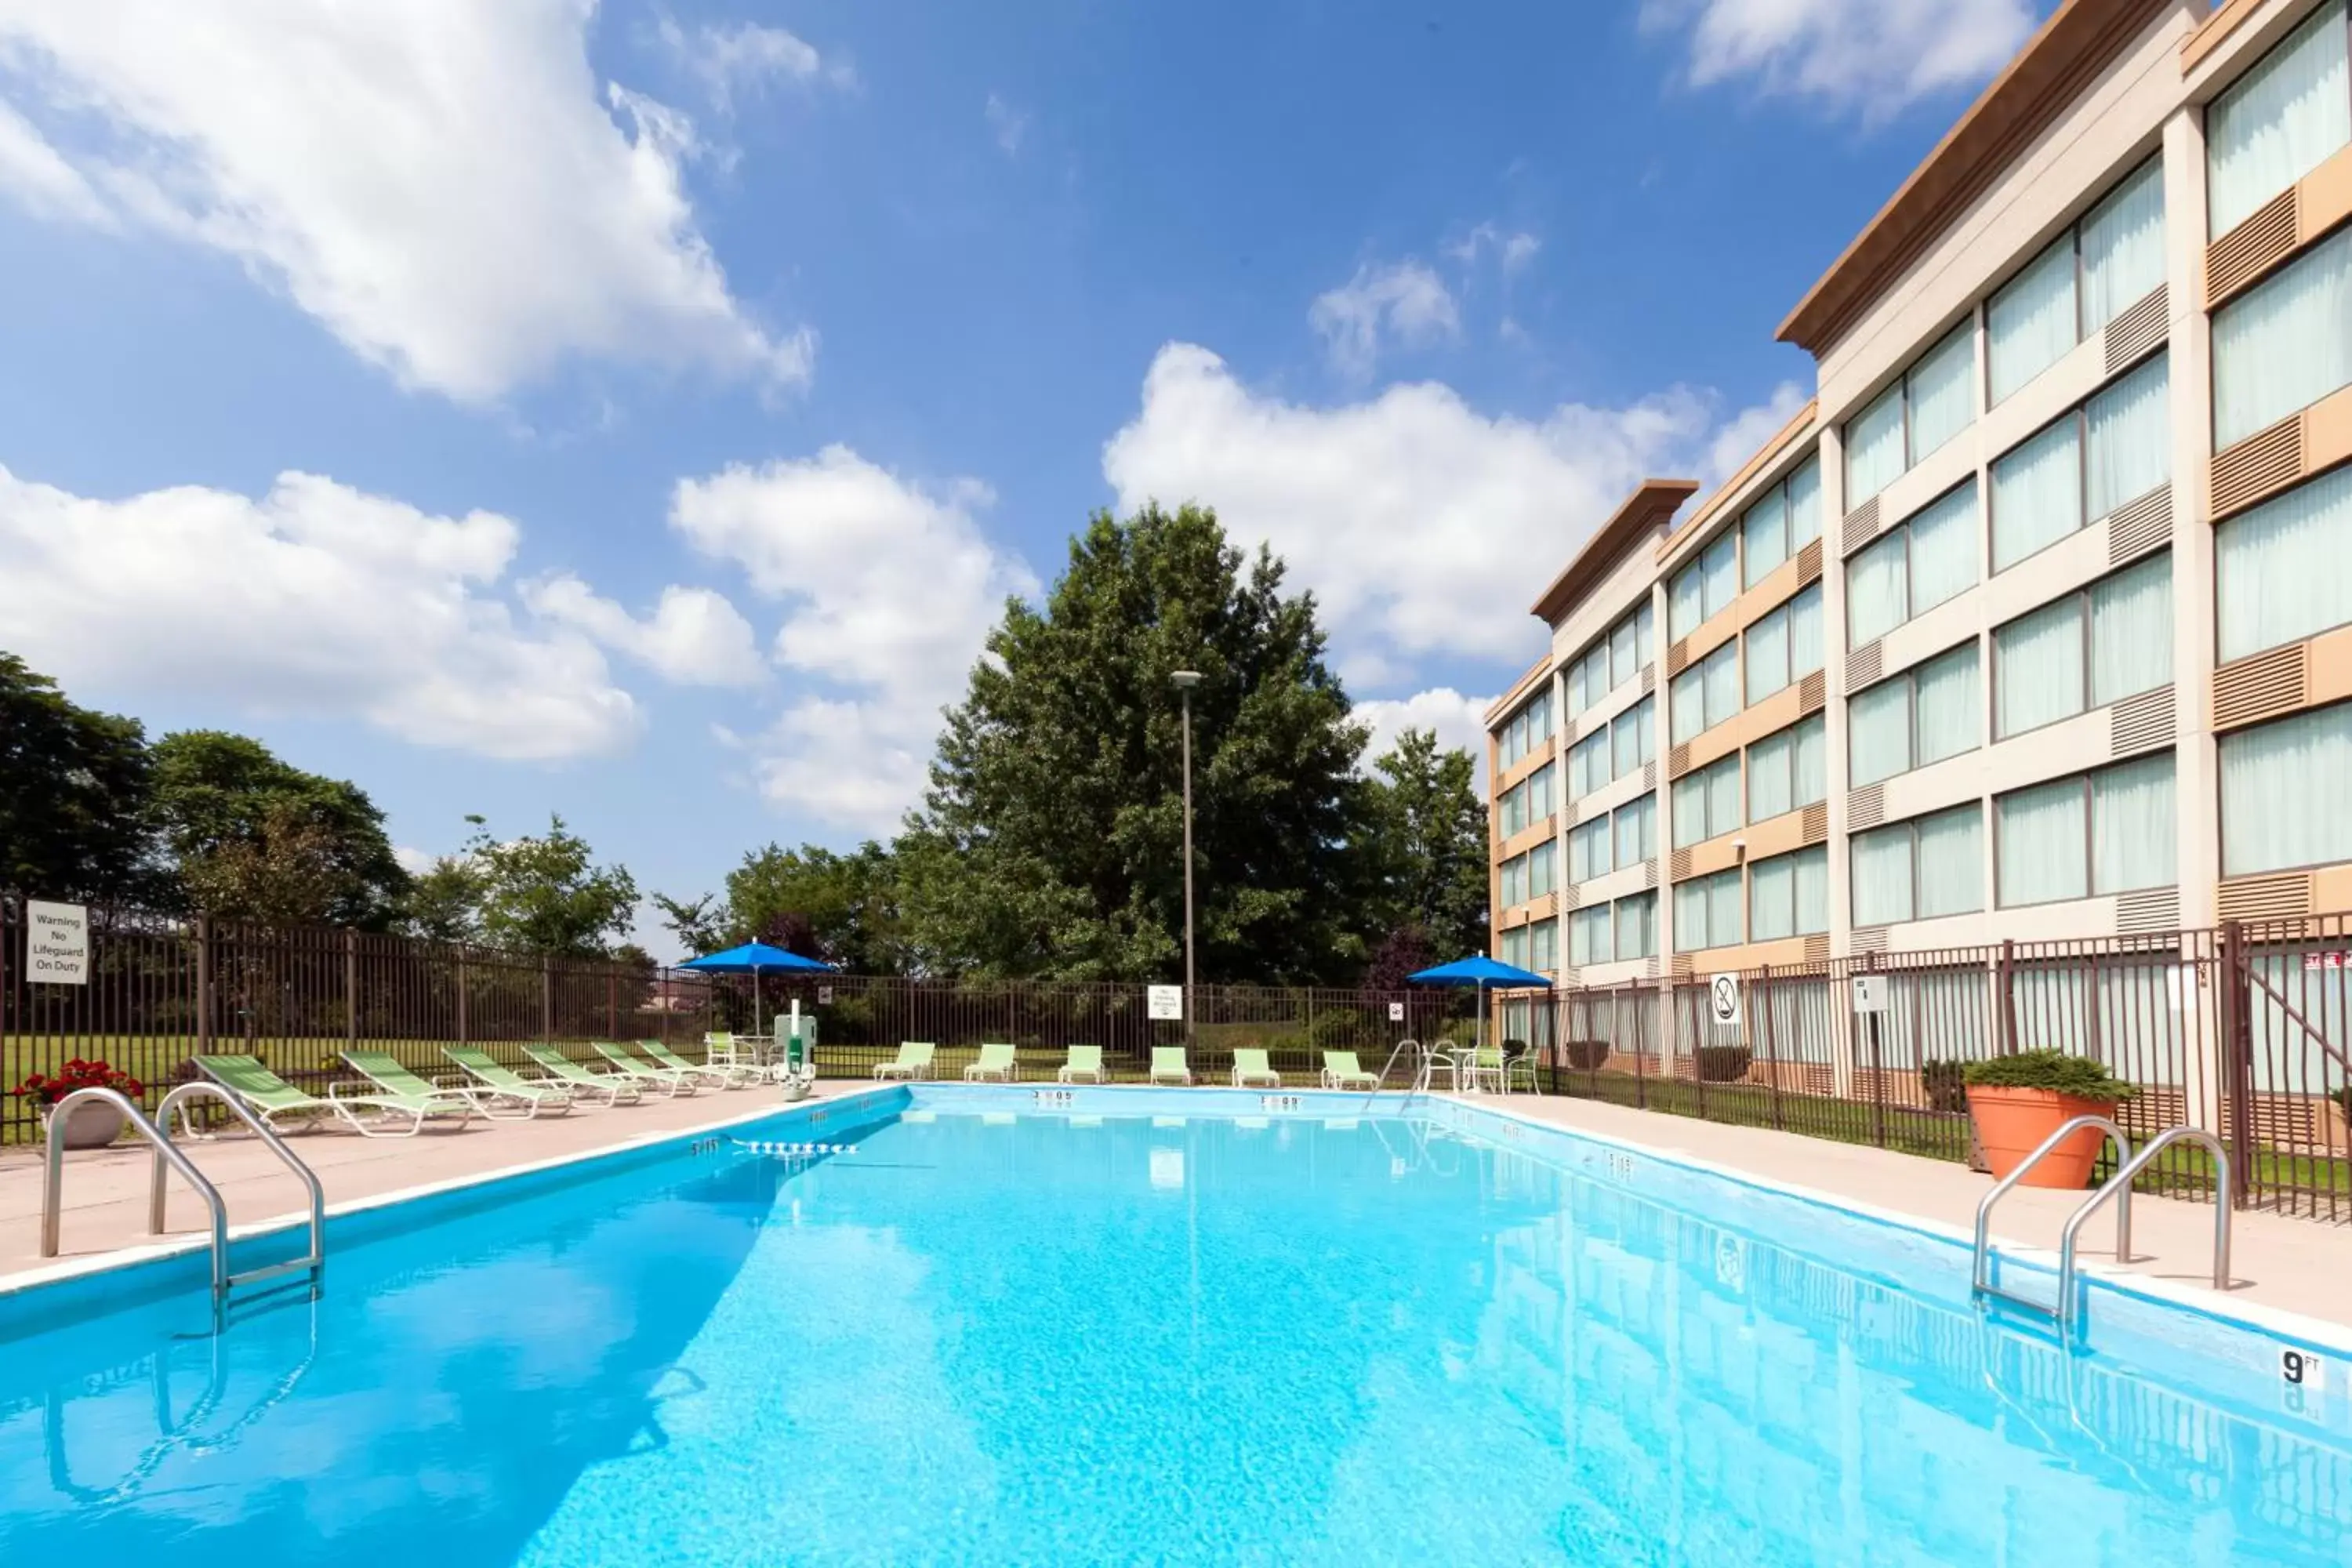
<point>1723,1063</point>
<point>1338,1027</point>
<point>1515,1047</point>
<point>2061,1071</point>
<point>1945,1086</point>
<point>1586,1056</point>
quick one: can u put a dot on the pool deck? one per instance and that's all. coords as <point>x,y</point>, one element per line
<point>2290,1265</point>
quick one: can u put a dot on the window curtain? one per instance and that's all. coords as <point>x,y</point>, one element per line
<point>1546,950</point>
<point>1689,810</point>
<point>1581,949</point>
<point>1874,448</point>
<point>2122,247</point>
<point>1623,661</point>
<point>1590,762</point>
<point>2131,631</point>
<point>1515,947</point>
<point>1812,761</point>
<point>1804,505</point>
<point>2133,842</point>
<point>2130,426</point>
<point>1805,633</point>
<point>1944,549</point>
<point>2038,668</point>
<point>1587,850</point>
<point>2286,344</point>
<point>1882,875</point>
<point>1514,880</point>
<point>2031,324</point>
<point>1687,695</point>
<point>1767,656</point>
<point>2282,793</point>
<point>1720,570</point>
<point>1764,536</point>
<point>1543,867</point>
<point>1879,732</point>
<point>1637,926</point>
<point>1769,775</point>
<point>1624,744</point>
<point>1950,863</point>
<point>1578,699</point>
<point>1813,875</point>
<point>1723,909</point>
<point>1646,727</point>
<point>1942,391</point>
<point>2285,567</point>
<point>2040,843</point>
<point>1540,785</point>
<point>1515,809</point>
<point>1723,795</point>
<point>1721,677</point>
<point>2279,122</point>
<point>1948,706</point>
<point>1772,898</point>
<point>2037,494</point>
<point>1641,633</point>
<point>1686,602</point>
<point>1875,591</point>
<point>1637,831</point>
<point>1690,914</point>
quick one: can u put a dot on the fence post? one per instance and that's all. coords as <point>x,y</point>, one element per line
<point>2237,1062</point>
<point>2005,980</point>
<point>352,987</point>
<point>546,1000</point>
<point>612,1005</point>
<point>1877,1082</point>
<point>1771,1067</point>
<point>461,996</point>
<point>204,984</point>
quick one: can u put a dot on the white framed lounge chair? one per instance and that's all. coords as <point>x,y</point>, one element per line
<point>1252,1070</point>
<point>914,1061</point>
<point>274,1100</point>
<point>389,1077</point>
<point>538,1093</point>
<point>645,1072</point>
<point>1168,1066</point>
<point>1342,1070</point>
<point>1085,1065</point>
<point>997,1061</point>
<point>724,1075</point>
<point>604,1087</point>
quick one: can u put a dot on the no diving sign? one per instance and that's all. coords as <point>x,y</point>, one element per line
<point>1722,1001</point>
<point>57,943</point>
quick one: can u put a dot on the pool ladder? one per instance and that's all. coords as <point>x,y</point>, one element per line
<point>169,1154</point>
<point>2062,1311</point>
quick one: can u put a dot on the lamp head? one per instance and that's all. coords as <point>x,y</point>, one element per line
<point>1186,680</point>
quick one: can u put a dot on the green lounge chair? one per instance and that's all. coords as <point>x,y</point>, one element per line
<point>272,1098</point>
<point>1168,1065</point>
<point>997,1061</point>
<point>914,1061</point>
<point>1487,1069</point>
<point>614,1088</point>
<point>1250,1067</point>
<point>1342,1070</point>
<point>645,1072</point>
<point>1086,1062</point>
<point>505,1083</point>
<point>390,1078</point>
<point>725,1075</point>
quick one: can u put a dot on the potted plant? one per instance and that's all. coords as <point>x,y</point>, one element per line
<point>94,1123</point>
<point>2016,1101</point>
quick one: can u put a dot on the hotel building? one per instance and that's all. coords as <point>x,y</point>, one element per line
<point>2036,623</point>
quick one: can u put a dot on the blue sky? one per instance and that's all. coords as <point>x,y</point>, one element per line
<point>640,411</point>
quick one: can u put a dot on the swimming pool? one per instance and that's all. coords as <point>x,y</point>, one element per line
<point>1024,1326</point>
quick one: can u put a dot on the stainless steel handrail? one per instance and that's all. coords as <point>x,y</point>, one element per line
<point>202,1090</point>
<point>2118,1187</point>
<point>53,1173</point>
<point>1981,1274</point>
<point>1387,1066</point>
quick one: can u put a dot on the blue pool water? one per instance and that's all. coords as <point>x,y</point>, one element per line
<point>1313,1336</point>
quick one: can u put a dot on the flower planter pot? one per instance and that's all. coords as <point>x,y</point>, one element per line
<point>93,1124</point>
<point>2010,1123</point>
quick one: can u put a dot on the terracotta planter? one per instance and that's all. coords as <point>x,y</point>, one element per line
<point>93,1124</point>
<point>2010,1123</point>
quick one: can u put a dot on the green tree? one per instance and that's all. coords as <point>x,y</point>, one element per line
<point>269,840</point>
<point>700,925</point>
<point>1050,840</point>
<point>848,904</point>
<point>73,793</point>
<point>444,902</point>
<point>547,895</point>
<point>1427,844</point>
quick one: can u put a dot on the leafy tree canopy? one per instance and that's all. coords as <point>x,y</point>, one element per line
<point>73,793</point>
<point>545,894</point>
<point>1428,845</point>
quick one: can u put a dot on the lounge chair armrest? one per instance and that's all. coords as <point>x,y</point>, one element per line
<point>456,1080</point>
<point>352,1089</point>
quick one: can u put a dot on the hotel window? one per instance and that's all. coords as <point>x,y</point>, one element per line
<point>1930,559</point>
<point>1789,895</point>
<point>1511,811</point>
<point>1637,925</point>
<point>1525,729</point>
<point>1707,693</point>
<point>1706,586</point>
<point>1929,712</point>
<point>1514,881</point>
<point>2279,122</point>
<point>1589,936</point>
<point>1610,662</point>
<point>1637,830</point>
<point>1588,765</point>
<point>2086,277</point>
<point>1785,646</point>
<point>1789,770</point>
<point>1545,947</point>
<point>2286,343</point>
<point>2090,649</point>
<point>1786,520</point>
<point>1633,737</point>
<point>1920,869</point>
<point>1515,947</point>
<point>2108,832</point>
<point>1707,912</point>
<point>1538,786</point>
<point>2282,793</point>
<point>2284,569</point>
<point>1543,869</point>
<point>1588,849</point>
<point>2115,449</point>
<point>1706,803</point>
<point>1934,401</point>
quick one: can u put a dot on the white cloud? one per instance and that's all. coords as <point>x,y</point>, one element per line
<point>1871,57</point>
<point>440,182</point>
<point>1514,249</point>
<point>43,183</point>
<point>316,600</point>
<point>1009,125</point>
<point>1458,721</point>
<point>1402,303</point>
<point>746,57</point>
<point>1424,526</point>
<point>414,861</point>
<point>890,589</point>
<point>695,638</point>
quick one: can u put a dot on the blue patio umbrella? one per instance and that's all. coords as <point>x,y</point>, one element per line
<point>1487,974</point>
<point>751,958</point>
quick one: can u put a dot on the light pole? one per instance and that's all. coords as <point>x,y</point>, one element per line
<point>1186,680</point>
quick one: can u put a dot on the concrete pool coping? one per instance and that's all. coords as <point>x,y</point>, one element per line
<point>2290,1268</point>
